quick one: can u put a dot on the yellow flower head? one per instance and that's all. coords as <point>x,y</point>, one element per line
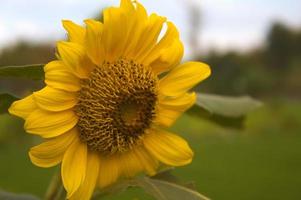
<point>104,109</point>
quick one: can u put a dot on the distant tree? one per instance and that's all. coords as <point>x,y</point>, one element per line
<point>297,43</point>
<point>280,46</point>
<point>26,53</point>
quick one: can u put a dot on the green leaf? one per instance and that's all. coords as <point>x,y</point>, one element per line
<point>167,175</point>
<point>227,106</point>
<point>11,196</point>
<point>5,101</point>
<point>33,72</point>
<point>162,186</point>
<point>164,190</point>
<point>118,187</point>
<point>224,110</point>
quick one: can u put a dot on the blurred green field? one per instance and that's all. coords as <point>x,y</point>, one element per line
<point>262,162</point>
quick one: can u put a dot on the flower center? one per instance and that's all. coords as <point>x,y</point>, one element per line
<point>116,105</point>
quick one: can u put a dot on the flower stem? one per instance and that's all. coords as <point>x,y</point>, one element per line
<point>55,189</point>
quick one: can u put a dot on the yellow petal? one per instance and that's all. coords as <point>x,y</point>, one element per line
<point>183,78</point>
<point>94,43</point>
<point>108,171</point>
<point>23,108</point>
<point>76,33</point>
<point>114,31</point>
<point>130,165</point>
<point>74,56</point>
<point>180,102</point>
<point>50,124</point>
<point>55,100</point>
<point>122,29</point>
<point>141,11</point>
<point>58,76</point>
<point>168,58</point>
<point>148,162</point>
<point>149,37</point>
<point>51,152</point>
<point>168,148</point>
<point>74,166</point>
<point>169,108</point>
<point>86,189</point>
<point>127,5</point>
<point>136,25</point>
<point>164,44</point>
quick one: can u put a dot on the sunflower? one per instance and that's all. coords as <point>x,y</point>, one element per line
<point>109,98</point>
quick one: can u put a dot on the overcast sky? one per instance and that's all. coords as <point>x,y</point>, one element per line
<point>226,24</point>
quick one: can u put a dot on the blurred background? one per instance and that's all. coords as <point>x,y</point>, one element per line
<point>252,46</point>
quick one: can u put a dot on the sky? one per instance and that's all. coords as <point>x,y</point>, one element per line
<point>225,24</point>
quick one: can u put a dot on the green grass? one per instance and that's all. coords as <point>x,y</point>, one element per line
<point>261,162</point>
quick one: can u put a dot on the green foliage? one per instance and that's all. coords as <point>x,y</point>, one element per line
<point>224,110</point>
<point>33,72</point>
<point>163,186</point>
<point>164,190</point>
<point>5,102</point>
<point>12,196</point>
<point>227,106</point>
<point>30,72</point>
